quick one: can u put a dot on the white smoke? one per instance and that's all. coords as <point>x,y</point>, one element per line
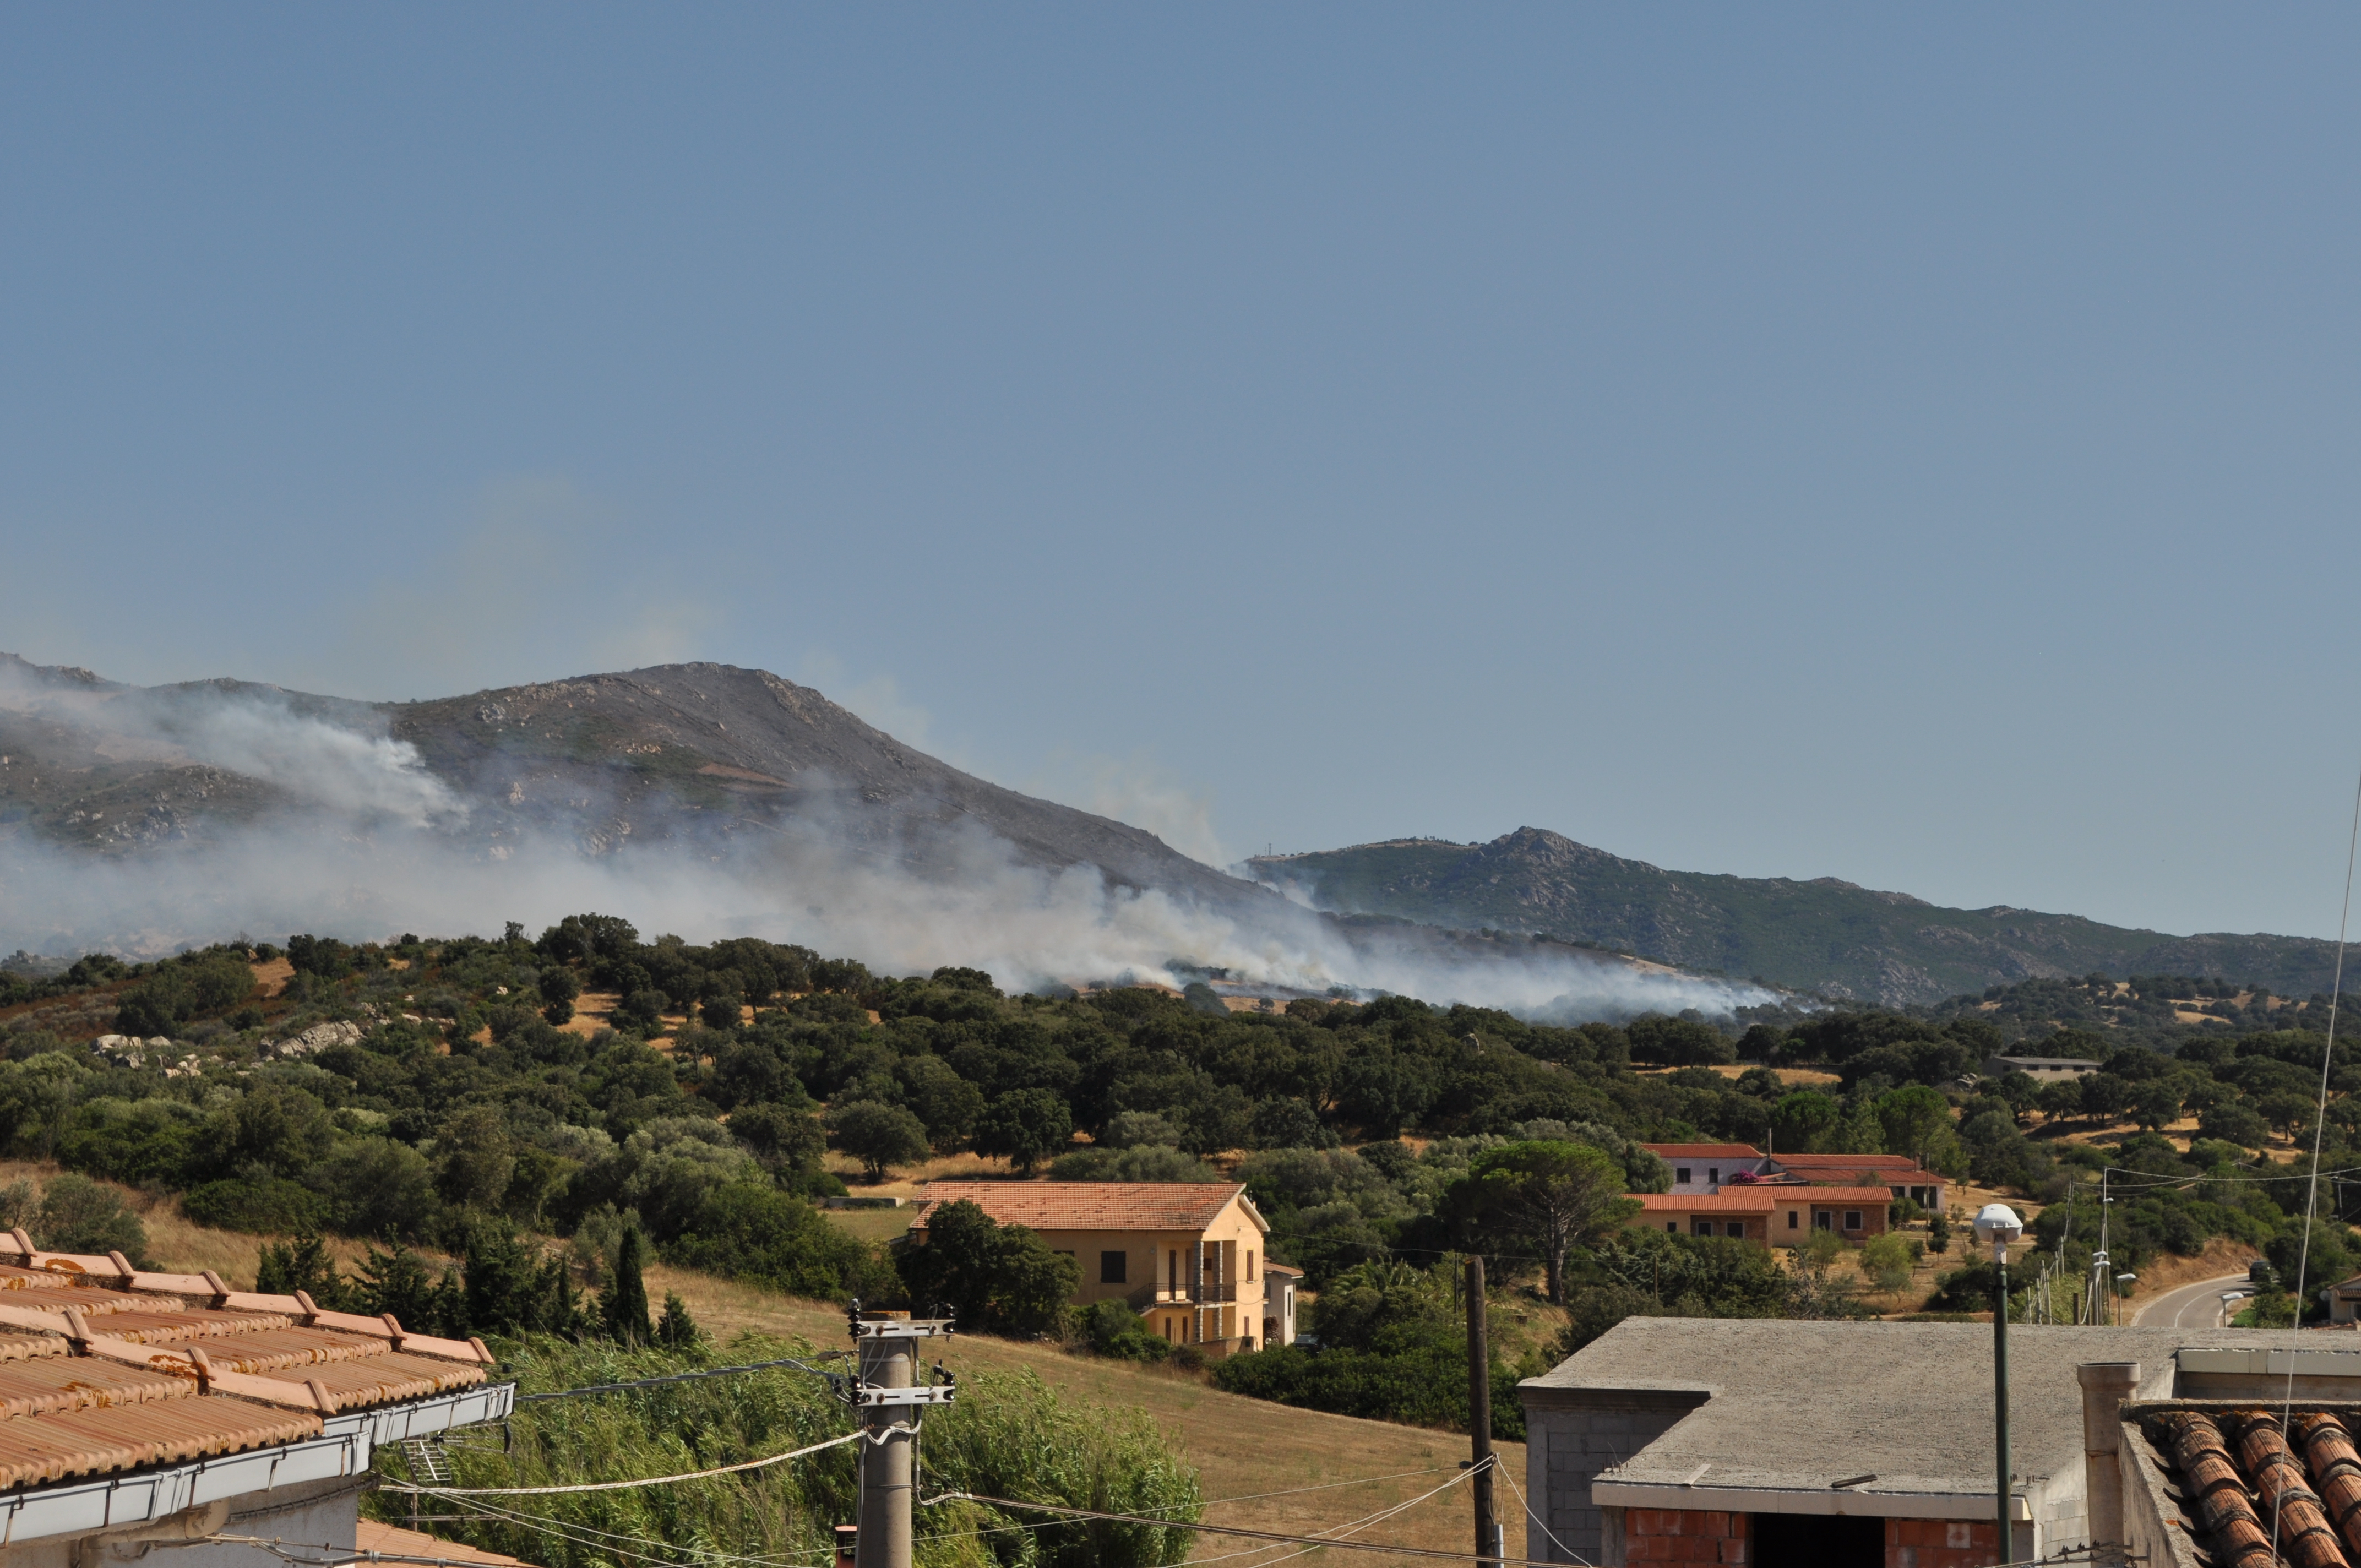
<point>372,854</point>
<point>253,732</point>
<point>323,764</point>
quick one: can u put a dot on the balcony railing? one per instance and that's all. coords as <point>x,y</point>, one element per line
<point>1184,1295</point>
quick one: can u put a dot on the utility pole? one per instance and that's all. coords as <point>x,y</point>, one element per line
<point>888,1395</point>
<point>1489,1545</point>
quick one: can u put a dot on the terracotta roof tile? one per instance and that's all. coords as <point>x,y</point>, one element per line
<point>2243,1478</point>
<point>103,1368</point>
<point>1087,1205</point>
<point>172,1328</point>
<point>37,1387</point>
<point>274,1350</point>
<point>29,1347</point>
<point>93,1442</point>
<point>1705,1151</point>
<point>393,1540</point>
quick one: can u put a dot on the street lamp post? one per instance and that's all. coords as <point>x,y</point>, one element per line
<point>1997,1226</point>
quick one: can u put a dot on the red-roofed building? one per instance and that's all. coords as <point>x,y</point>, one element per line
<point>1771,1215</point>
<point>1189,1256</point>
<point>1713,1167</point>
<point>1703,1168</point>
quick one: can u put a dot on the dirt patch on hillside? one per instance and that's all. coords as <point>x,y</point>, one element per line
<point>273,978</point>
<point>592,1012</point>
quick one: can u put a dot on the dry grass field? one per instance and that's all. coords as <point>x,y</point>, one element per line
<point>1243,1449</point>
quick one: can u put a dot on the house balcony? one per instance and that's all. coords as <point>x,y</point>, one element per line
<point>1204,1293</point>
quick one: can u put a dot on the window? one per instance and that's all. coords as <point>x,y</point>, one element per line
<point>1792,1214</point>
<point>1824,1218</point>
<point>1736,1228</point>
<point>1173,1270</point>
<point>1674,1227</point>
<point>1115,1268</point>
<point>1250,1276</point>
<point>1852,1221</point>
<point>1701,1227</point>
<point>1713,1174</point>
<point>1681,1174</point>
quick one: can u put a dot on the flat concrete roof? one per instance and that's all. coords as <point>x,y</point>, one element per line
<point>1799,1406</point>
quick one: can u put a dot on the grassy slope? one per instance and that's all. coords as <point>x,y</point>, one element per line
<point>1240,1446</point>
<point>1879,947</point>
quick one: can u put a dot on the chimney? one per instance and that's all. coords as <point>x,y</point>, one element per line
<point>2106,1385</point>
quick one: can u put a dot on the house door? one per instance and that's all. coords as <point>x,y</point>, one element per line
<point>1817,1540</point>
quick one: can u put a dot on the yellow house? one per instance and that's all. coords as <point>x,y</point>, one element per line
<point>1188,1256</point>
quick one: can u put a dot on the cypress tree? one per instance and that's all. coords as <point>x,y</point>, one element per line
<point>624,1312</point>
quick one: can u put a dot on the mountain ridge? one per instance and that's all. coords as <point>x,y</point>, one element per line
<point>664,751</point>
<point>1823,934</point>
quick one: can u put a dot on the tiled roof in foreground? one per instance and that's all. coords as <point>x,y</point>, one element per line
<point>106,1368</point>
<point>2238,1473</point>
<point>1088,1205</point>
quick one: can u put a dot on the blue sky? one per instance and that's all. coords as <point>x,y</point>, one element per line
<point>1910,446</point>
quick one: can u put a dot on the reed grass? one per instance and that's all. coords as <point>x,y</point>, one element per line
<point>1007,1435</point>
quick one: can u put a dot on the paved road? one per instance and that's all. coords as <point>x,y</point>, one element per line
<point>2197,1305</point>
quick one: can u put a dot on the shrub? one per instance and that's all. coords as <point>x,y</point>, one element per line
<point>78,1215</point>
<point>260,1204</point>
<point>304,1264</point>
<point>1426,1386</point>
<point>1113,1329</point>
<point>1886,1261</point>
<point>1148,1162</point>
<point>749,1231</point>
<point>146,1142</point>
<point>378,1187</point>
<point>676,1330</point>
<point>196,987</point>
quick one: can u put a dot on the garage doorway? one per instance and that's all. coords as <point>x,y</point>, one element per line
<point>1819,1540</point>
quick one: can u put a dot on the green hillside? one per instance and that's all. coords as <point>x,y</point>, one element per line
<point>1821,935</point>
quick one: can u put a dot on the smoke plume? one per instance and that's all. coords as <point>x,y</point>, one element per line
<point>371,843</point>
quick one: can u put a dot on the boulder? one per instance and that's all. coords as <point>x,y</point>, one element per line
<point>311,1041</point>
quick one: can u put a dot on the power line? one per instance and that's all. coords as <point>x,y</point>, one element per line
<point>2320,1127</point>
<point>876,1435</point>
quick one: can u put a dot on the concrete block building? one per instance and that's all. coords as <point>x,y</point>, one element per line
<point>1854,1445</point>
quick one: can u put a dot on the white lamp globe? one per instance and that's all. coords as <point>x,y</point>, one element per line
<point>1997,1226</point>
